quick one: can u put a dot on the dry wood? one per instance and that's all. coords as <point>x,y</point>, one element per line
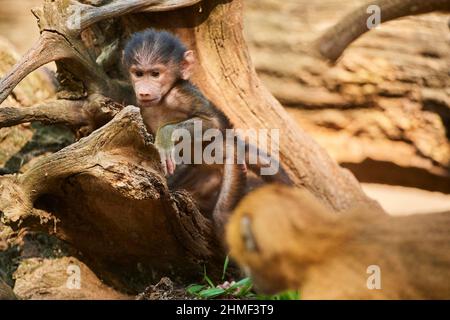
<point>107,195</point>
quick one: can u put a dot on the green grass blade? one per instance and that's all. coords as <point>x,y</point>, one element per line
<point>194,289</point>
<point>240,283</point>
<point>225,267</point>
<point>245,291</point>
<point>207,279</point>
<point>211,293</point>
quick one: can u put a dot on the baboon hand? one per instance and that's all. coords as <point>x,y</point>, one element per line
<point>166,148</point>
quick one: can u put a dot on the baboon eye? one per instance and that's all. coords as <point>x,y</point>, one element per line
<point>155,74</point>
<point>138,73</point>
<point>247,234</point>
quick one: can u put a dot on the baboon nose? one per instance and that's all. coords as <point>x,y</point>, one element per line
<point>144,95</point>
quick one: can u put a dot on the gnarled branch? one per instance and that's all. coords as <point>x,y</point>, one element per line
<point>83,116</point>
<point>110,187</point>
<point>333,42</point>
<point>91,15</point>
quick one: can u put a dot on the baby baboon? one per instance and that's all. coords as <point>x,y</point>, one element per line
<point>160,67</point>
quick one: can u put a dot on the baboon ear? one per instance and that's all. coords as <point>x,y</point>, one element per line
<point>187,65</point>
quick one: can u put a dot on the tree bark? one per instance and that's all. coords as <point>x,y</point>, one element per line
<point>107,195</point>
